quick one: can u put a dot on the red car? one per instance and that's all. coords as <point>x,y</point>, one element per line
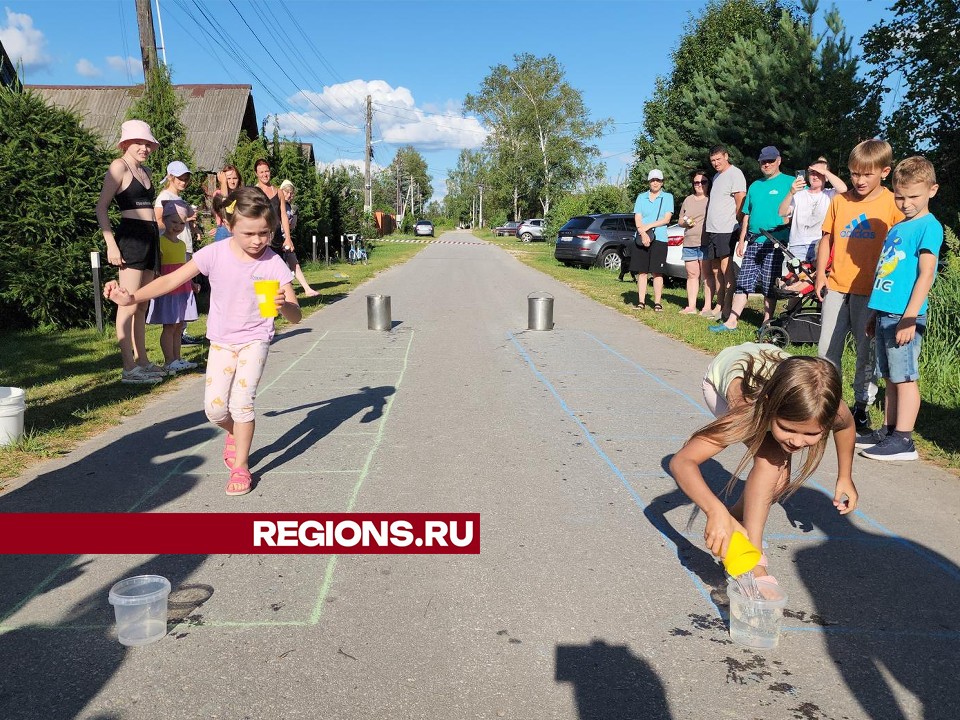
<point>508,228</point>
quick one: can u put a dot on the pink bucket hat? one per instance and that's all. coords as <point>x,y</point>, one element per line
<point>137,130</point>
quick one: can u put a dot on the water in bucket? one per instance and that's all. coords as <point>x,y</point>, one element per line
<point>756,611</point>
<point>140,605</point>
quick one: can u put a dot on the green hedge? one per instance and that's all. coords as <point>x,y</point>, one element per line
<point>51,170</point>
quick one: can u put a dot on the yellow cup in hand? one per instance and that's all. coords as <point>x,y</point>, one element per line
<point>266,292</point>
<point>742,556</point>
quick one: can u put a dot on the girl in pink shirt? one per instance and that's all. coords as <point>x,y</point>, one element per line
<point>239,335</point>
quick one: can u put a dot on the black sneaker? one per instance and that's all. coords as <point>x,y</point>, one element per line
<point>871,438</point>
<point>892,447</point>
<point>861,417</point>
<point>190,340</point>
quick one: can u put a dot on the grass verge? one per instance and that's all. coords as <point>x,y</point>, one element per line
<point>938,426</point>
<point>72,377</point>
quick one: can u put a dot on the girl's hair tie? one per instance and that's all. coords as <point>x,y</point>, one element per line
<point>231,207</point>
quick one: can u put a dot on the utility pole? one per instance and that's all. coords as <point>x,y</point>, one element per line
<point>480,187</point>
<point>367,184</point>
<point>148,42</point>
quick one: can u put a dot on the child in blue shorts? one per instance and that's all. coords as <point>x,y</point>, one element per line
<point>905,274</point>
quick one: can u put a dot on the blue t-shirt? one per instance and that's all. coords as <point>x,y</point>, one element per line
<point>899,265</point>
<point>763,205</point>
<point>652,210</point>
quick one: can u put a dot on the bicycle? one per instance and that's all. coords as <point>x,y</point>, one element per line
<point>358,252</point>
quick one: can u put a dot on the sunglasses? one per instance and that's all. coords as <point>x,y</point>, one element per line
<point>699,182</point>
<point>768,162</point>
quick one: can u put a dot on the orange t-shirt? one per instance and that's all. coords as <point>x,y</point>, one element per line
<point>857,230</point>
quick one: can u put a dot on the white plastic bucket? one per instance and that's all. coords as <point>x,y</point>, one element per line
<point>140,605</point>
<point>13,403</point>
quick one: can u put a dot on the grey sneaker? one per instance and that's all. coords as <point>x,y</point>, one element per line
<point>892,447</point>
<point>869,439</point>
<point>139,376</point>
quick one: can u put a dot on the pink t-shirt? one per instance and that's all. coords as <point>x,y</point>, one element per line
<point>234,316</point>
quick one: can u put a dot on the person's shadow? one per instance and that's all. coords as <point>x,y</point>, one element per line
<point>53,669</point>
<point>324,417</point>
<point>611,683</point>
<point>888,607</point>
<point>692,557</point>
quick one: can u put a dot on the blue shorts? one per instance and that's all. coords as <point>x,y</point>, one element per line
<point>898,363</point>
<point>692,253</point>
<point>763,262</point>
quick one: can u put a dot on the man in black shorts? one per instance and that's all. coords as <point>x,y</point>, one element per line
<point>727,191</point>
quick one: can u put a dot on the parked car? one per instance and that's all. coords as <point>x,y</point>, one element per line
<point>508,228</point>
<point>423,227</point>
<point>530,230</point>
<point>600,240</point>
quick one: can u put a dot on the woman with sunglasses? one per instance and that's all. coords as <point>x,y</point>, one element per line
<point>693,211</point>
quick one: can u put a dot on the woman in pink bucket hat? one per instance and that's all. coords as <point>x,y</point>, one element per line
<point>134,247</point>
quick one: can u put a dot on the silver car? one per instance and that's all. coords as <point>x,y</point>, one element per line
<point>530,230</point>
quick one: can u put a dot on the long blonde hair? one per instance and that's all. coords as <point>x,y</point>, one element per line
<point>800,389</point>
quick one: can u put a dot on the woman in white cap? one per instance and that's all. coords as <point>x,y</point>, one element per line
<point>177,181</point>
<point>651,213</point>
<point>287,189</point>
<point>134,247</point>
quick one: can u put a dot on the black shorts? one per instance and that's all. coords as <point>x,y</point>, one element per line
<point>717,245</point>
<point>652,259</point>
<point>139,243</point>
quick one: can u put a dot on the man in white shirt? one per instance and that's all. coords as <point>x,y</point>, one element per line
<point>727,191</point>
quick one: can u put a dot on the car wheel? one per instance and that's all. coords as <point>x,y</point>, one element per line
<point>773,334</point>
<point>610,260</point>
<point>526,237</point>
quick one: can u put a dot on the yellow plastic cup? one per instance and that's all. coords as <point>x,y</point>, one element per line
<point>742,556</point>
<point>266,292</point>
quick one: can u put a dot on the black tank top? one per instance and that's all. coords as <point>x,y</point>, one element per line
<point>277,242</point>
<point>135,195</point>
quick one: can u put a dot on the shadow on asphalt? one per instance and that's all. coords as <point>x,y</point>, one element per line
<point>54,670</point>
<point>322,419</point>
<point>886,605</point>
<point>611,683</point>
<point>287,334</point>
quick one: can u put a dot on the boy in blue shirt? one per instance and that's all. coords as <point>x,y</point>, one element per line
<point>905,274</point>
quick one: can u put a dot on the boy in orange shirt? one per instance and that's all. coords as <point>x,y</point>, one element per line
<point>853,233</point>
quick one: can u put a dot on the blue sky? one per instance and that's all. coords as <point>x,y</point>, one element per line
<point>417,59</point>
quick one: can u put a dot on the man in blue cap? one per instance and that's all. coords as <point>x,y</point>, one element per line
<point>762,259</point>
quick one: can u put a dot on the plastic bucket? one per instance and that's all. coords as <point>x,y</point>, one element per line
<point>540,311</point>
<point>13,403</point>
<point>755,622</point>
<point>378,312</point>
<point>140,605</point>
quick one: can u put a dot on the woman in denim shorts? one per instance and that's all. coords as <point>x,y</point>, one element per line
<point>693,211</point>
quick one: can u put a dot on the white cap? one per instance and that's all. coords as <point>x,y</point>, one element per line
<point>654,175</point>
<point>177,168</point>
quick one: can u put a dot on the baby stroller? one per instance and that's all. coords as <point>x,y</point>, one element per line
<point>799,322</point>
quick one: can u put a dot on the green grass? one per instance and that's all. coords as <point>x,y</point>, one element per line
<point>72,377</point>
<point>938,426</point>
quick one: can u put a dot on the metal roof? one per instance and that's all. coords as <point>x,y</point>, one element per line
<point>214,115</point>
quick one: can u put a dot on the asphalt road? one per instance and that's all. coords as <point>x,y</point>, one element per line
<point>588,599</point>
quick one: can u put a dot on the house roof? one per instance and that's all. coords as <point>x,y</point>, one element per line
<point>214,115</point>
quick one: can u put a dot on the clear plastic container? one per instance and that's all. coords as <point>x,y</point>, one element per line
<point>140,605</point>
<point>755,622</point>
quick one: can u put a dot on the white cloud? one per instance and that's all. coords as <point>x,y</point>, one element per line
<point>86,68</point>
<point>348,163</point>
<point>23,42</point>
<point>131,65</point>
<point>340,110</point>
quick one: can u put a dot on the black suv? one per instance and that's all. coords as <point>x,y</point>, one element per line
<point>600,239</point>
<point>595,240</point>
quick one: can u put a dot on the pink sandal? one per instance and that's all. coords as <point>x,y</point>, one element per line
<point>240,482</point>
<point>229,451</point>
